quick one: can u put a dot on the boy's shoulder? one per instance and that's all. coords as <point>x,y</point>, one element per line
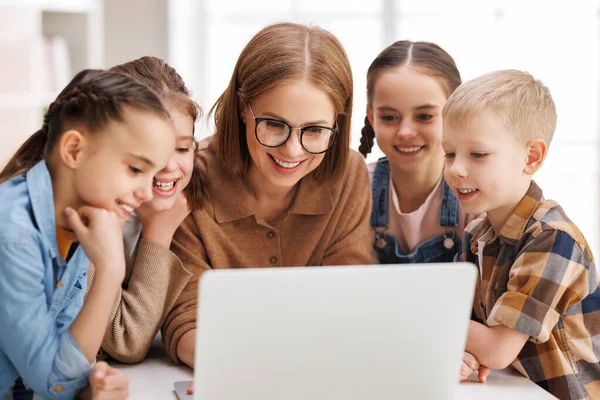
<point>550,221</point>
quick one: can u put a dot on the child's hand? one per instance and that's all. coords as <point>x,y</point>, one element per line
<point>160,226</point>
<point>190,390</point>
<point>483,373</point>
<point>100,234</point>
<point>108,383</point>
<point>469,365</point>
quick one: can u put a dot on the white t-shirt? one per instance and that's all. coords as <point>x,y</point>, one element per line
<point>132,231</point>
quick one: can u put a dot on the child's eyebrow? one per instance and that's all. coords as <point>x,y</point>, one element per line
<point>386,108</point>
<point>184,138</point>
<point>424,106</point>
<point>142,158</point>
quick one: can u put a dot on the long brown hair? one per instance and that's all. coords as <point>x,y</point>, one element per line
<point>91,100</point>
<point>164,80</point>
<point>277,54</point>
<point>427,57</point>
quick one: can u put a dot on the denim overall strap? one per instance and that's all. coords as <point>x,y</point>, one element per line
<point>380,192</point>
<point>449,209</point>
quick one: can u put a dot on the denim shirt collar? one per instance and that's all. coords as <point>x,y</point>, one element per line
<point>41,194</point>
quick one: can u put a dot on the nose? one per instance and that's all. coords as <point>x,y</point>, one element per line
<point>456,168</point>
<point>406,130</point>
<point>144,192</point>
<point>171,165</point>
<point>293,148</point>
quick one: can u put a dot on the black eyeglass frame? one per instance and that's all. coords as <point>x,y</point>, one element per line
<point>258,120</point>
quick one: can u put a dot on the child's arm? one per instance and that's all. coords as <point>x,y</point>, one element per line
<point>157,279</point>
<point>496,347</point>
<point>46,357</point>
<point>550,274</point>
<point>178,330</point>
<point>102,241</point>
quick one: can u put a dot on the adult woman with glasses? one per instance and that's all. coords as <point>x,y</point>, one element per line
<point>283,189</point>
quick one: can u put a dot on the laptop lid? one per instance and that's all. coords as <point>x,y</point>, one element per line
<point>356,332</point>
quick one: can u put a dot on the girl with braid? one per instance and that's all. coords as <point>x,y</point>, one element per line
<point>63,199</point>
<point>415,216</point>
<point>155,276</point>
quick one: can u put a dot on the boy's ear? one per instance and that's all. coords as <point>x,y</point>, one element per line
<point>71,148</point>
<point>536,154</point>
<point>370,115</point>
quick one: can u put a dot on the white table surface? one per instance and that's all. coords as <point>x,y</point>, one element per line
<point>154,378</point>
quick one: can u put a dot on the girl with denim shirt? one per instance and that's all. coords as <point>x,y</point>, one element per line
<point>415,217</point>
<point>63,199</point>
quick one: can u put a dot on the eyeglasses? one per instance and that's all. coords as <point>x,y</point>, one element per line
<point>272,132</point>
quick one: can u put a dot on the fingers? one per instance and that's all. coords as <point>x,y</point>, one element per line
<point>116,380</point>
<point>98,373</point>
<point>483,374</point>
<point>465,371</point>
<point>114,385</point>
<point>75,222</point>
<point>470,360</point>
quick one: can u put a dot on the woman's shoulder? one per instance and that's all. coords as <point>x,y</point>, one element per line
<point>356,164</point>
<point>356,175</point>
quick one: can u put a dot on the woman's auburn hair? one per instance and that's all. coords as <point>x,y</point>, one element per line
<point>279,54</point>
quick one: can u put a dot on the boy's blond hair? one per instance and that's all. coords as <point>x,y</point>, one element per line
<point>522,102</point>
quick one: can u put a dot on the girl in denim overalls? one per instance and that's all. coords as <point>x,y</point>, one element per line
<point>63,199</point>
<point>415,218</point>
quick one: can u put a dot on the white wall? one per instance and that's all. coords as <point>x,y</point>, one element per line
<point>134,28</point>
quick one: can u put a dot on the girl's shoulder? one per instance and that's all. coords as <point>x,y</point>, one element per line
<point>21,220</point>
<point>372,165</point>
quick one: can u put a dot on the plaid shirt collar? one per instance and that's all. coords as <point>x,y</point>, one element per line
<point>516,223</point>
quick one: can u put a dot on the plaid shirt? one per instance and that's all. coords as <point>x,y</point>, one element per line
<point>538,277</point>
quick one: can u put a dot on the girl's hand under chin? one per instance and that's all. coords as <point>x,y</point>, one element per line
<point>160,226</point>
<point>100,234</point>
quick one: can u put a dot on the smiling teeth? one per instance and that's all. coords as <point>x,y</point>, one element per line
<point>466,191</point>
<point>408,149</point>
<point>286,164</point>
<point>166,186</point>
<point>127,208</point>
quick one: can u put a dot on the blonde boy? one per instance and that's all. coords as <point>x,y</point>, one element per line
<point>537,301</point>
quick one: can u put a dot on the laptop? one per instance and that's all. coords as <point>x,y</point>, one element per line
<point>327,333</point>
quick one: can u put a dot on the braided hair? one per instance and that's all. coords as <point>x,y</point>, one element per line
<point>91,100</point>
<point>428,57</point>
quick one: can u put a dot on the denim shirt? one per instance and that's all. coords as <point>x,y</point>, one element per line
<point>40,294</point>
